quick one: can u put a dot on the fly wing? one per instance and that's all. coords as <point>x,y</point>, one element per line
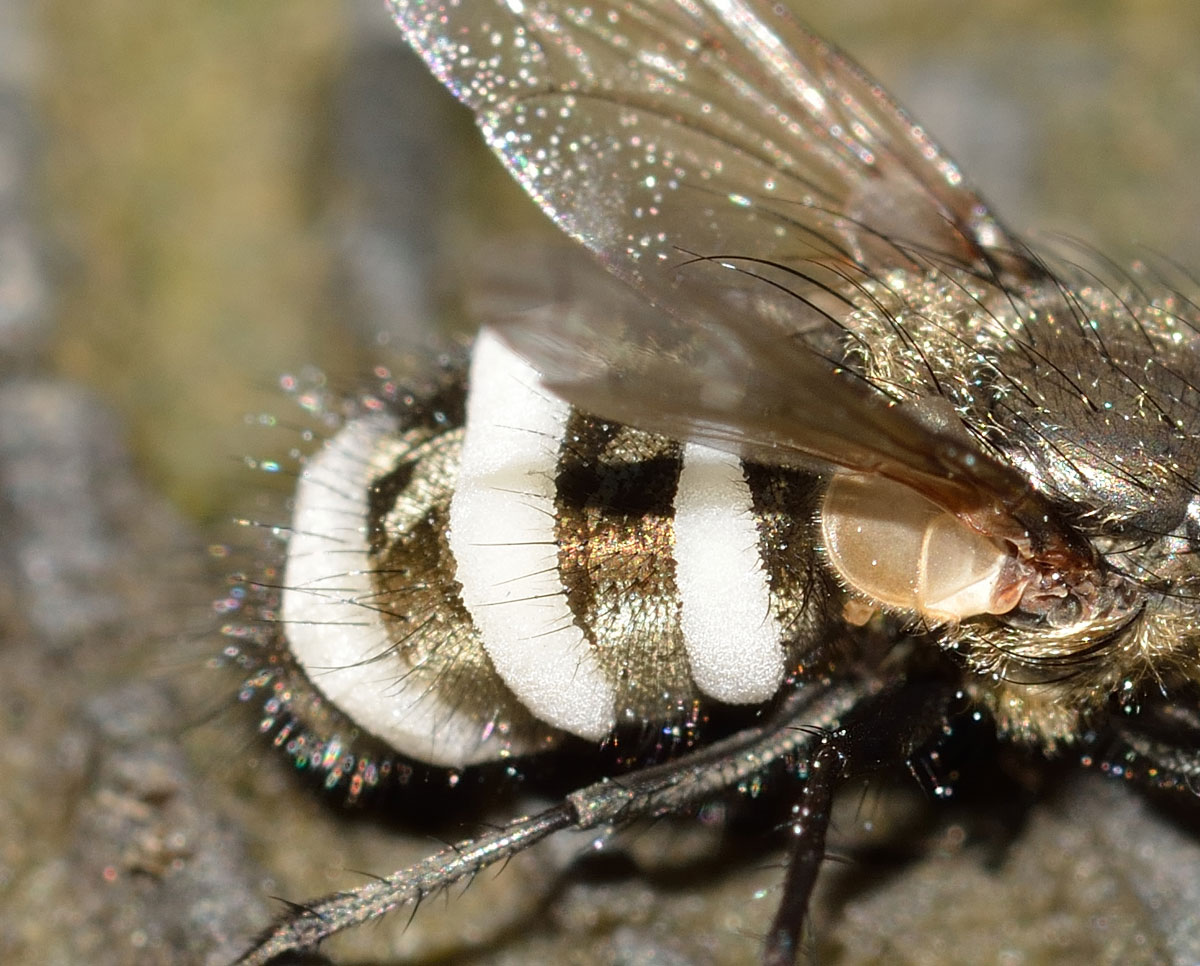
<point>737,174</point>
<point>757,392</point>
<point>647,127</point>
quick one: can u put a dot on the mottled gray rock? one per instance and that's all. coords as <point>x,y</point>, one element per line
<point>110,849</point>
<point>1095,876</point>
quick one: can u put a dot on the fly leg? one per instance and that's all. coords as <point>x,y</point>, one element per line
<point>886,727</point>
<point>791,734</point>
<point>810,822</point>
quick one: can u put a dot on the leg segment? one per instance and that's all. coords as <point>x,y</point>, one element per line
<point>809,824</point>
<point>803,733</point>
<point>798,725</point>
<point>884,728</point>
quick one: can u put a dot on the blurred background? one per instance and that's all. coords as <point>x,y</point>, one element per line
<point>196,198</point>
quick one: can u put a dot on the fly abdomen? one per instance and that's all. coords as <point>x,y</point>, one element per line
<point>465,592</point>
<point>371,612</point>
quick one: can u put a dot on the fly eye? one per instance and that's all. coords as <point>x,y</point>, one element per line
<point>888,542</point>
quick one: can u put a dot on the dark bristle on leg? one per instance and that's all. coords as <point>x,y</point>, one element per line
<point>796,731</point>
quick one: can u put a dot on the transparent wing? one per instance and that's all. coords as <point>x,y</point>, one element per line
<point>768,398</point>
<point>648,127</point>
<point>735,171</point>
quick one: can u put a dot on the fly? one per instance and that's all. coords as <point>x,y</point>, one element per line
<point>794,423</point>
